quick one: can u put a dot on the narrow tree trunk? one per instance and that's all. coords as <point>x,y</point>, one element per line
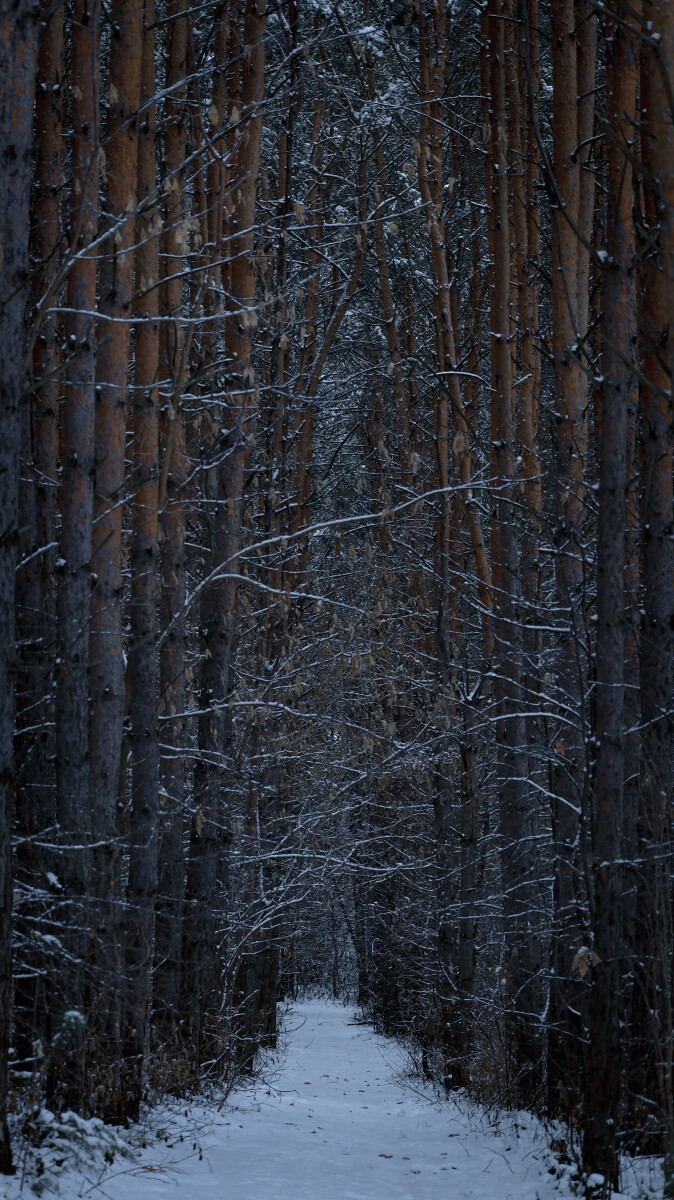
<point>172,666</point>
<point>208,834</point>
<point>18,55</point>
<point>568,993</point>
<point>657,592</point>
<point>469,896</point>
<point>303,416</point>
<point>600,1150</point>
<point>657,643</point>
<point>530,375</point>
<point>106,668</point>
<point>74,584</point>
<point>470,794</point>
<point>142,667</point>
<point>522,951</point>
<point>35,596</point>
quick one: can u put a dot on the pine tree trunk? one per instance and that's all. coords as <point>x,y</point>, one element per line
<point>602,1113</point>
<point>142,666</point>
<point>106,669</point>
<point>74,567</point>
<point>529,391</point>
<point>648,1067</point>
<point>568,993</point>
<point>35,595</point>
<point>18,55</point>
<point>521,957</point>
<point>209,827</point>
<point>657,640</point>
<point>172,665</point>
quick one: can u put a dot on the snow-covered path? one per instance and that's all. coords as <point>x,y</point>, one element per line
<point>335,1125</point>
<point>334,1116</point>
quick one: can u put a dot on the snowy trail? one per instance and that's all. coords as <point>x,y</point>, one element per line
<point>330,1118</point>
<point>335,1125</point>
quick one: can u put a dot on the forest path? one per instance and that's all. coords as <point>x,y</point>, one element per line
<point>334,1121</point>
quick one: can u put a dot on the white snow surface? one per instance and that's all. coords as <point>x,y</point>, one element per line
<point>335,1116</point>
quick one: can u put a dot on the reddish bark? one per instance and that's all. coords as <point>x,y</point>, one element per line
<point>106,667</point>
<point>521,960</point>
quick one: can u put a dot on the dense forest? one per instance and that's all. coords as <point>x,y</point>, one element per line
<point>336,548</point>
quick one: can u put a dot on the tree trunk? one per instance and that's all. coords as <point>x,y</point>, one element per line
<point>600,1151</point>
<point>18,54</point>
<point>142,667</point>
<point>521,956</point>
<point>568,993</point>
<point>530,375</point>
<point>106,668</point>
<point>657,637</point>
<point>35,596</point>
<point>74,582</point>
<point>209,827</point>
<point>172,666</point>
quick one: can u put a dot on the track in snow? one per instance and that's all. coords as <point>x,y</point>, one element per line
<point>335,1125</point>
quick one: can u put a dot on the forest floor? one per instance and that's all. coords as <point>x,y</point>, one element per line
<point>336,1114</point>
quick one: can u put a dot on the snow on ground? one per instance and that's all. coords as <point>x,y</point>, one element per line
<point>335,1117</point>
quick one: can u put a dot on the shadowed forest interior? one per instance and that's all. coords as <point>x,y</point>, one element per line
<point>336,548</point>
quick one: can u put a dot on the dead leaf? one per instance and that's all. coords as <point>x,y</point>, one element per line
<point>583,960</point>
